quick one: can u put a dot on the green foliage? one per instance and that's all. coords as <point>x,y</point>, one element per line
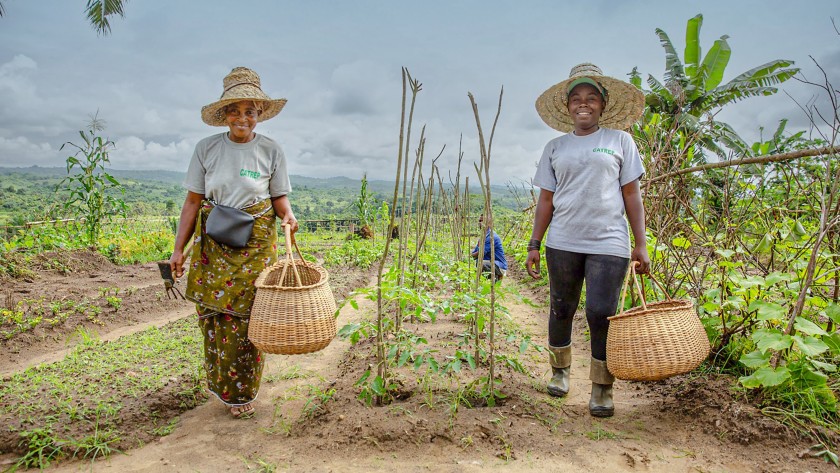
<point>355,252</point>
<point>42,448</point>
<point>364,204</point>
<point>89,199</point>
<point>99,13</point>
<point>680,111</point>
<point>437,287</point>
<point>316,403</point>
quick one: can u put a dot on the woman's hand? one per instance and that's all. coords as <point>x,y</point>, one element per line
<point>640,258</point>
<point>283,207</point>
<point>176,263</point>
<point>532,264</point>
<point>186,226</point>
<point>289,219</point>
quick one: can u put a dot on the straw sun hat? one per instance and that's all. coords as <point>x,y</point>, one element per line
<point>241,84</point>
<point>625,102</point>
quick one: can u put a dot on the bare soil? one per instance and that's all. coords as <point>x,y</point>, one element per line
<point>309,418</point>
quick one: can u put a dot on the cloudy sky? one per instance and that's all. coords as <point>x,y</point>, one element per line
<point>339,65</point>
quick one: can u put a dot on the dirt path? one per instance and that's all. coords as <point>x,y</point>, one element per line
<point>682,425</point>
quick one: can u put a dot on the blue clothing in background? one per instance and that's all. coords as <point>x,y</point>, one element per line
<point>500,252</point>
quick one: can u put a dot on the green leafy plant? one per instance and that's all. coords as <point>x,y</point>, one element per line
<point>365,205</point>
<point>90,199</point>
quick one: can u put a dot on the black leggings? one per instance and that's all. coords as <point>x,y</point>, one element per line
<point>604,276</point>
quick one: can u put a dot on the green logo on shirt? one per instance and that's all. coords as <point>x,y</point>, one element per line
<point>603,150</point>
<point>252,174</point>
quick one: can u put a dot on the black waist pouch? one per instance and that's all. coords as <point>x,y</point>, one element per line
<point>230,226</point>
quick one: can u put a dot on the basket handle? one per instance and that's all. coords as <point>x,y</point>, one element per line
<point>631,275</point>
<point>631,279</point>
<point>290,260</point>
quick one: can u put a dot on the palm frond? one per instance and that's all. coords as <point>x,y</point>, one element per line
<point>730,138</point>
<point>673,66</point>
<point>715,62</point>
<point>725,96</point>
<point>636,78</point>
<point>98,11</point>
<point>657,88</point>
<point>771,73</point>
<point>780,130</point>
<point>692,52</point>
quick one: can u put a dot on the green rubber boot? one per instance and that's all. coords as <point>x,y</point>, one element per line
<point>601,401</point>
<point>561,363</point>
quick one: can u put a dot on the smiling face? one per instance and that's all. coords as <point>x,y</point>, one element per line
<point>585,106</point>
<point>241,118</point>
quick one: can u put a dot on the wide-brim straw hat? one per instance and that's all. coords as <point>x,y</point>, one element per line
<point>625,102</point>
<point>241,84</point>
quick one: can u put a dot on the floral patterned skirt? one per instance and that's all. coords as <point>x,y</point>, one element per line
<point>221,283</point>
<point>234,365</point>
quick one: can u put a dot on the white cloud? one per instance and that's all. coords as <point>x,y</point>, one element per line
<point>339,66</point>
<point>132,152</point>
<point>20,151</point>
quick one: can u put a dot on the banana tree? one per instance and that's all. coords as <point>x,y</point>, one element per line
<point>692,92</point>
<point>679,130</point>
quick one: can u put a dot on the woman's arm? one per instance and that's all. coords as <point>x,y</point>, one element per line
<point>186,227</point>
<point>283,209</point>
<point>542,217</point>
<point>635,210</point>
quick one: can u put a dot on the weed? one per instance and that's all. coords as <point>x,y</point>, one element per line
<point>262,466</point>
<point>821,451</point>
<point>85,336</point>
<point>97,444</point>
<point>164,430</point>
<point>42,448</point>
<point>317,401</point>
<point>279,425</point>
<point>114,302</point>
<point>291,372</point>
<point>601,434</point>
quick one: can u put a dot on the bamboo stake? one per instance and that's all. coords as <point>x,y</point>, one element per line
<point>381,366</point>
<point>488,210</point>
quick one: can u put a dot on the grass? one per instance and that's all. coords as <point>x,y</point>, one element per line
<point>599,433</point>
<point>87,392</point>
<point>288,373</point>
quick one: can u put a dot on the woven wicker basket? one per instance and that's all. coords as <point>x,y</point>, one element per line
<point>294,308</point>
<point>657,340</point>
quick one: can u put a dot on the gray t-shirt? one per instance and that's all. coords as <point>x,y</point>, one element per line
<point>238,174</point>
<point>586,174</point>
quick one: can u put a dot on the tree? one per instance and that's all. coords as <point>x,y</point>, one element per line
<point>679,130</point>
<point>692,90</point>
<point>97,12</point>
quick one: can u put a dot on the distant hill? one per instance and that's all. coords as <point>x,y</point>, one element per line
<point>174,177</point>
<point>27,193</point>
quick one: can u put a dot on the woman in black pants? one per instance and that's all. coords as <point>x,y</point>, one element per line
<point>589,181</point>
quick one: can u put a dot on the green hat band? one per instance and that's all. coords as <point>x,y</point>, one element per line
<point>587,80</point>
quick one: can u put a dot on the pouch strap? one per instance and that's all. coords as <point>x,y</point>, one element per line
<point>256,215</point>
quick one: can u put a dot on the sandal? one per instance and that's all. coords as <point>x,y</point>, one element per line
<point>245,411</point>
